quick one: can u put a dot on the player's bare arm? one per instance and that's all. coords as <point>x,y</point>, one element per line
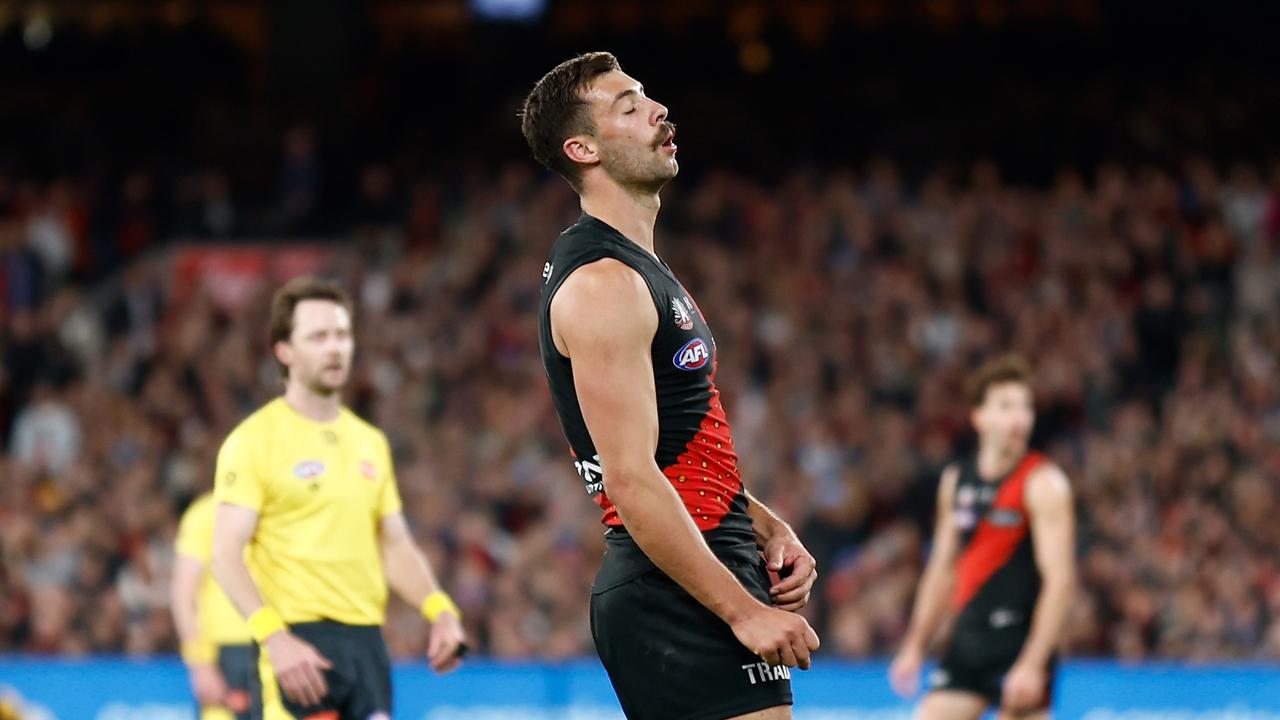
<point>785,555</point>
<point>1049,504</point>
<point>603,320</point>
<point>931,599</point>
<point>410,576</point>
<point>298,665</point>
<point>207,683</point>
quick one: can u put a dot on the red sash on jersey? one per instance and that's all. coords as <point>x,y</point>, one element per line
<point>991,546</point>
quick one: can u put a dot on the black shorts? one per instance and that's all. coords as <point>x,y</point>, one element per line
<point>978,657</point>
<point>238,668</point>
<point>669,658</point>
<point>360,679</point>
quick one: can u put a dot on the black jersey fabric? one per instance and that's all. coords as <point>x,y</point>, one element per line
<point>695,444</point>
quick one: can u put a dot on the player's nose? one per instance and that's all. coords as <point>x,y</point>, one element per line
<point>659,113</point>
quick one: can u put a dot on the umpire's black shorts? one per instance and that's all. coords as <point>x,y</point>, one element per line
<point>359,681</point>
<point>236,663</point>
<point>670,658</point>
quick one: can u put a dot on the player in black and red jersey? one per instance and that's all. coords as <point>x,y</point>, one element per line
<point>683,612</point>
<point>1003,562</point>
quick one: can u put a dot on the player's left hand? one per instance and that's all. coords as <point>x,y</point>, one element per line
<point>796,570</point>
<point>1023,687</point>
<point>207,683</point>
<point>447,643</point>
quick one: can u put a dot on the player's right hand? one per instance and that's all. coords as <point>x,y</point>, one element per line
<point>777,636</point>
<point>904,673</point>
<point>299,667</point>
<point>446,644</point>
<point>208,685</point>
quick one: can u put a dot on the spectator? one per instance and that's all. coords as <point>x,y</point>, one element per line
<point>851,326</point>
<point>46,433</point>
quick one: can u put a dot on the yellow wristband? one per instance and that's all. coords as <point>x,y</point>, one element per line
<point>264,623</point>
<point>198,652</point>
<point>439,602</point>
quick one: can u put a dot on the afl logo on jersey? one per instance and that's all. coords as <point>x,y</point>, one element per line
<point>308,469</point>
<point>693,356</point>
<point>368,470</point>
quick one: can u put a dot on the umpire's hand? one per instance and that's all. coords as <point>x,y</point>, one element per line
<point>207,683</point>
<point>447,644</point>
<point>299,667</point>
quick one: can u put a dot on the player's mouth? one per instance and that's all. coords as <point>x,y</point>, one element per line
<point>668,143</point>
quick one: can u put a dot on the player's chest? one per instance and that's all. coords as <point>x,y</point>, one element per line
<point>979,502</point>
<point>325,473</point>
<point>683,346</point>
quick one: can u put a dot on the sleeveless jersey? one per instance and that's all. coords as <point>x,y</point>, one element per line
<point>695,446</point>
<point>997,581</point>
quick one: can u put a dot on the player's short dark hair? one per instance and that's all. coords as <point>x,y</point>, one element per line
<point>286,299</point>
<point>1007,368</point>
<point>555,111</point>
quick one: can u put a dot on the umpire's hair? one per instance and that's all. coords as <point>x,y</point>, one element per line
<point>1008,368</point>
<point>554,111</point>
<point>286,300</point>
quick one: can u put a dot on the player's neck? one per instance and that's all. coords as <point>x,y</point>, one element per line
<point>631,213</point>
<point>310,405</point>
<point>995,462</point>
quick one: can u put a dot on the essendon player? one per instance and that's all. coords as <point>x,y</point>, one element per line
<point>682,612</point>
<point>1002,561</point>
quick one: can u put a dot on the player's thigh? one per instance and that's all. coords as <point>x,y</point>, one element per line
<point>782,712</point>
<point>669,658</point>
<point>951,705</point>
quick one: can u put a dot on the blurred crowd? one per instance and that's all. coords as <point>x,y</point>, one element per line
<point>848,306</point>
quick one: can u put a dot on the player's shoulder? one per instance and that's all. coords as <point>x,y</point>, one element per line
<point>1046,469</point>
<point>363,427</point>
<point>586,228</point>
<point>1048,480</point>
<point>196,522</point>
<point>247,433</point>
<point>605,296</point>
<point>582,243</point>
<point>199,507</point>
<point>269,414</point>
<point>950,475</point>
<point>605,277</point>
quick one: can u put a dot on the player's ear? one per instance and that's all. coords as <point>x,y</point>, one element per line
<point>975,417</point>
<point>283,352</point>
<point>582,149</point>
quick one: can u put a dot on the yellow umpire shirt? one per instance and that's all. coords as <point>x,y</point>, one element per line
<point>219,621</point>
<point>321,491</point>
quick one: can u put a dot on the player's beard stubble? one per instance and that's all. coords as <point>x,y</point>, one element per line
<point>316,384</point>
<point>646,169</point>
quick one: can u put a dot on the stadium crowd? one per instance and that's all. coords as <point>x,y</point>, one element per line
<point>847,305</point>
